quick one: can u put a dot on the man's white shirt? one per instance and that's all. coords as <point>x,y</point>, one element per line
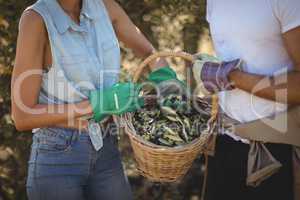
<point>252,30</point>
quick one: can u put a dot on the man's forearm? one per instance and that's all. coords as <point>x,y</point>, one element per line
<point>284,88</point>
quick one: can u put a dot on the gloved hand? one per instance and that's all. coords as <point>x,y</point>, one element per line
<point>162,74</point>
<point>166,80</point>
<point>211,74</point>
<point>119,99</point>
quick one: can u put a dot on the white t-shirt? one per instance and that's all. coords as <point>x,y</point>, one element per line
<point>252,30</point>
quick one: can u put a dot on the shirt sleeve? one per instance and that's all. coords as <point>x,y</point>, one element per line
<point>288,13</point>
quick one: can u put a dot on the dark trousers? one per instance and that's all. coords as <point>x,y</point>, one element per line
<point>227,172</point>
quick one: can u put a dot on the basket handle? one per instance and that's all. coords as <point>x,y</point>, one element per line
<point>156,55</point>
<point>185,56</point>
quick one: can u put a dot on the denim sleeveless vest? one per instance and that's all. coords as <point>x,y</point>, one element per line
<point>85,57</point>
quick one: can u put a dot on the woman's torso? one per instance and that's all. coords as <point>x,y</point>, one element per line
<point>83,57</point>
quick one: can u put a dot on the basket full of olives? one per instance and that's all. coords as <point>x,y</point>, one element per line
<point>167,135</point>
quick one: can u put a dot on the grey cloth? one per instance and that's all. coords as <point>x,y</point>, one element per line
<point>261,163</point>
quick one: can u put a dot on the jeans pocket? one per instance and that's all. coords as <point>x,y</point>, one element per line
<point>54,140</point>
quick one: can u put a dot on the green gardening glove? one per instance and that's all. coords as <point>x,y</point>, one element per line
<point>162,74</point>
<point>117,100</point>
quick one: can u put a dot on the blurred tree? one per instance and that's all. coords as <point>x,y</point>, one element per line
<point>168,24</point>
<point>14,147</point>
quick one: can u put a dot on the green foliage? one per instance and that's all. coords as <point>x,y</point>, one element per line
<point>168,24</point>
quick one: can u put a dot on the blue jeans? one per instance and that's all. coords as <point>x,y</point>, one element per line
<point>64,165</point>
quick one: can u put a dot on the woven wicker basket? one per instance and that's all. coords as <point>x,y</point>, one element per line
<point>166,164</point>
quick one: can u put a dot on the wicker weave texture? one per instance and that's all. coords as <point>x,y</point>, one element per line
<point>166,164</point>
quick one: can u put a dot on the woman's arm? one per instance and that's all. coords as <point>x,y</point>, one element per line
<point>273,86</point>
<point>26,111</point>
<point>130,35</point>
